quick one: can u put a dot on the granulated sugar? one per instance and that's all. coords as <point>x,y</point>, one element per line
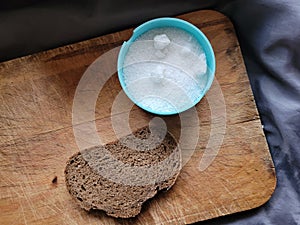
<point>165,70</point>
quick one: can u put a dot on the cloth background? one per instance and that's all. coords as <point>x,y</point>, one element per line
<point>269,34</point>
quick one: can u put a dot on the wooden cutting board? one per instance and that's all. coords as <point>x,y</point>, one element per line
<point>36,136</point>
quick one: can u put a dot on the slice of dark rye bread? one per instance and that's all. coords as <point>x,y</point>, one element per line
<point>117,190</point>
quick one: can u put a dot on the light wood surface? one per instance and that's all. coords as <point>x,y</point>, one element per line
<point>36,137</point>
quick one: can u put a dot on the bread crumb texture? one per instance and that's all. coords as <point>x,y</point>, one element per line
<point>120,176</point>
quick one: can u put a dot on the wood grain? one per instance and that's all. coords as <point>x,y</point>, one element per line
<point>36,137</point>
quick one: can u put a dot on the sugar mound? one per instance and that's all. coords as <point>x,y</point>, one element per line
<point>165,70</point>
<point>161,41</point>
<point>158,74</point>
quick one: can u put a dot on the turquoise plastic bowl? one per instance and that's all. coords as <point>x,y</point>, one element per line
<point>176,23</point>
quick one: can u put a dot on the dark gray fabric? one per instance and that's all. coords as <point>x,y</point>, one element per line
<point>269,34</point>
<point>29,26</point>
